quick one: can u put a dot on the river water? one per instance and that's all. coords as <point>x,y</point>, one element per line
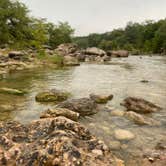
<point>122,78</point>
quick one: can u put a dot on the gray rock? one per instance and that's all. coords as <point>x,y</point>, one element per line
<point>84,106</point>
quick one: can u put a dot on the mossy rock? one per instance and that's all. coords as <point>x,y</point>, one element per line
<point>12,91</point>
<point>99,99</point>
<point>52,96</point>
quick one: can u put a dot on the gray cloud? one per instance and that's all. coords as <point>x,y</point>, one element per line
<point>90,16</point>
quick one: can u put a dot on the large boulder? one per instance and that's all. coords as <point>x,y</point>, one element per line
<point>94,51</point>
<point>119,53</point>
<point>84,106</point>
<point>50,113</point>
<point>140,119</point>
<point>11,91</point>
<point>67,48</point>
<point>140,105</point>
<point>53,95</point>
<point>70,61</point>
<point>101,99</point>
<point>52,141</point>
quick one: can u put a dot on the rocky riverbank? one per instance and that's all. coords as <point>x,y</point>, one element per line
<point>63,55</point>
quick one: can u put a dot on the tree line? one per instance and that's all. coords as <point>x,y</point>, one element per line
<point>146,37</point>
<point>19,30</point>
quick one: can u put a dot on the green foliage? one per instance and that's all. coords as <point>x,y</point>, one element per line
<point>148,37</point>
<point>61,33</point>
<point>19,30</point>
<point>55,59</point>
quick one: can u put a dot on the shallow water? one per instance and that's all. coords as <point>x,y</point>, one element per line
<point>121,78</point>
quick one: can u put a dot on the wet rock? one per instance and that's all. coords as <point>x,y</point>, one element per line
<point>119,53</point>
<point>11,91</point>
<point>53,95</point>
<point>70,61</point>
<point>52,141</point>
<point>140,119</point>
<point>84,106</point>
<point>50,113</point>
<point>140,105</point>
<point>121,134</point>
<point>94,51</point>
<point>101,99</point>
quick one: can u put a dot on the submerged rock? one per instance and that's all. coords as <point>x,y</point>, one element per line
<point>50,113</point>
<point>84,106</point>
<point>53,95</point>
<point>117,113</point>
<point>52,141</point>
<point>140,105</point>
<point>121,134</point>
<point>140,119</point>
<point>101,99</point>
<point>11,91</point>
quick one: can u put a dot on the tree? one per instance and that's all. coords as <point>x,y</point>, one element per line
<point>62,33</point>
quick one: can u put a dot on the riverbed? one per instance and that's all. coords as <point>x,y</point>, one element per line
<point>121,77</point>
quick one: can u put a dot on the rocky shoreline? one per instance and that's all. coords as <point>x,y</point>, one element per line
<point>64,55</point>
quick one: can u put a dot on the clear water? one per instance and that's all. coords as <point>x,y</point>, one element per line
<point>121,78</point>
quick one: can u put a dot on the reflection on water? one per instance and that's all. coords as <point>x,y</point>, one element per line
<point>121,78</point>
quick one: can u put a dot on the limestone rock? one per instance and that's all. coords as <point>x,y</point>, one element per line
<point>51,141</point>
<point>95,51</point>
<point>50,113</point>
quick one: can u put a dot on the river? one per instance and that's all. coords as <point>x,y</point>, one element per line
<point>122,78</point>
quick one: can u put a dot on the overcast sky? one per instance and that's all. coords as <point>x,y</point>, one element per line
<point>90,16</point>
